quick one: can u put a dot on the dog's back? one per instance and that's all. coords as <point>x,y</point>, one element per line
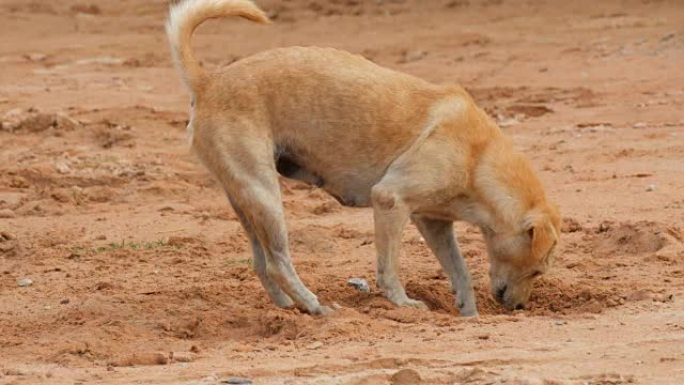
<point>333,100</point>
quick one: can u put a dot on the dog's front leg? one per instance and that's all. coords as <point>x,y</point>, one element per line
<point>439,236</point>
<point>390,215</point>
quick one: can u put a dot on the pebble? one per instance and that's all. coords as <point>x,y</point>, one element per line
<point>237,381</point>
<point>11,199</point>
<point>315,345</point>
<point>359,284</point>
<point>669,36</point>
<point>526,381</point>
<point>7,213</point>
<point>7,242</point>
<point>508,122</point>
<point>141,359</point>
<point>13,372</point>
<point>62,167</point>
<point>411,56</point>
<point>650,187</point>
<point>24,282</point>
<point>183,357</point>
<point>36,56</point>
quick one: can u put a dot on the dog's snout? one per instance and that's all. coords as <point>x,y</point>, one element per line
<point>500,293</point>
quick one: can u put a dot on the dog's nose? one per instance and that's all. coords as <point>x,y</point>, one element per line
<point>519,306</point>
<point>500,293</point>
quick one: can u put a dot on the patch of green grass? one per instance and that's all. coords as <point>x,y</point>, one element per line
<point>123,245</point>
<point>240,261</point>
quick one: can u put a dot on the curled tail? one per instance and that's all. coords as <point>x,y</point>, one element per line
<point>185,16</point>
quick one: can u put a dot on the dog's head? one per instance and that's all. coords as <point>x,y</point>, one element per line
<point>518,257</point>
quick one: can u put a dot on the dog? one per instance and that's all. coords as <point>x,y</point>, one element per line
<point>370,137</point>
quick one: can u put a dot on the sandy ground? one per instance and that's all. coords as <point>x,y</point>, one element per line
<point>141,274</point>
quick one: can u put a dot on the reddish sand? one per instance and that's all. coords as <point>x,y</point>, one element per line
<point>141,274</point>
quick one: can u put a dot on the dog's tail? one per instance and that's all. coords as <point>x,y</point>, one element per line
<point>186,15</point>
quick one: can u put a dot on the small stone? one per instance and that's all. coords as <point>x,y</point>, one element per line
<point>141,359</point>
<point>62,167</point>
<point>24,282</point>
<point>667,37</point>
<point>7,213</point>
<point>65,301</point>
<point>527,381</point>
<point>411,56</point>
<point>11,199</point>
<point>65,122</point>
<point>405,377</point>
<point>640,125</point>
<point>88,9</point>
<point>650,187</point>
<point>315,345</point>
<point>359,284</point>
<point>639,295</point>
<point>570,225</point>
<point>508,122</point>
<point>664,298</point>
<point>237,381</point>
<point>13,372</point>
<point>35,57</point>
<point>182,357</point>
<point>8,242</point>
<point>243,348</point>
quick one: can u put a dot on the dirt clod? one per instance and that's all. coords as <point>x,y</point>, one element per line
<point>405,377</point>
<point>141,359</point>
<point>237,381</point>
<point>631,238</point>
<point>359,284</point>
<point>7,213</point>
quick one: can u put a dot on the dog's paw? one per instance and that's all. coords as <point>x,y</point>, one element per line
<point>414,303</point>
<point>323,310</point>
<point>283,301</point>
<point>467,310</point>
<point>472,312</point>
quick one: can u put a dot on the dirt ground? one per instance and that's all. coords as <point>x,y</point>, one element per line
<point>140,274</point>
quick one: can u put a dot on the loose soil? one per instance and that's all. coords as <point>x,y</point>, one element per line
<point>140,272</point>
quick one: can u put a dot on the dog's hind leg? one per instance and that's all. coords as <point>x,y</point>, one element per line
<point>260,202</point>
<point>245,167</point>
<point>274,291</point>
<point>439,236</point>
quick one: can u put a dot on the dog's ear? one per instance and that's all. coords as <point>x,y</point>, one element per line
<point>542,238</point>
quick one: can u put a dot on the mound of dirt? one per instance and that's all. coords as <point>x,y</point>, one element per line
<point>629,239</point>
<point>32,120</point>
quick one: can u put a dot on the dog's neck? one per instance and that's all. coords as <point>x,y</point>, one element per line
<point>503,189</point>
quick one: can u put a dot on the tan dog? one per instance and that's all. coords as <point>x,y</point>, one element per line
<point>369,136</point>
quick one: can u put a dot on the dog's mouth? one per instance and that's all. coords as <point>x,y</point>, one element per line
<point>500,295</point>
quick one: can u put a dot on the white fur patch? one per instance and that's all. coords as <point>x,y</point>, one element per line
<point>190,129</point>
